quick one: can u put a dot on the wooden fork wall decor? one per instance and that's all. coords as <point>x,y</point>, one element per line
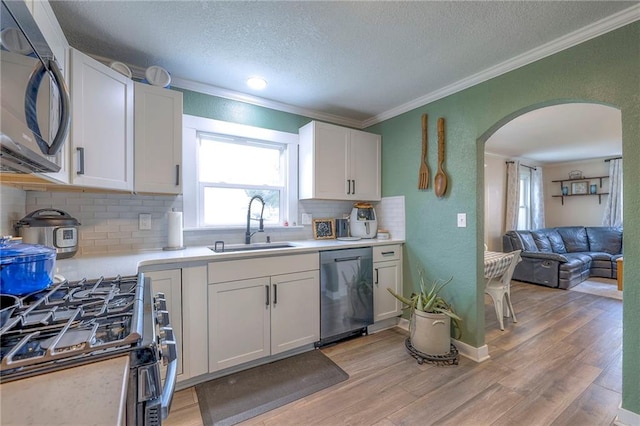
<point>423,174</point>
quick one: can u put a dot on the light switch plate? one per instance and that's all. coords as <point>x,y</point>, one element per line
<point>144,221</point>
<point>306,218</point>
<point>462,220</point>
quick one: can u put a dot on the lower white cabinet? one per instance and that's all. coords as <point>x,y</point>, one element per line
<point>186,294</point>
<point>254,317</point>
<point>387,273</point>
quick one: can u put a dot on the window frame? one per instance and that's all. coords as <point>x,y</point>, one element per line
<point>193,125</point>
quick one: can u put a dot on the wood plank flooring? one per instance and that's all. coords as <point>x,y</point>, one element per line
<point>560,364</point>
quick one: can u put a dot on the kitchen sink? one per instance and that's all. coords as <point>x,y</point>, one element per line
<point>247,247</point>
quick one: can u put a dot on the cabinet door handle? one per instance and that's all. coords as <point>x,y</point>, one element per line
<point>348,186</point>
<point>387,253</point>
<point>266,287</point>
<point>81,160</point>
<point>177,174</point>
<point>376,276</point>
<point>275,294</point>
<point>354,186</point>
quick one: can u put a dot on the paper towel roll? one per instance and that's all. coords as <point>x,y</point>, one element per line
<point>175,229</point>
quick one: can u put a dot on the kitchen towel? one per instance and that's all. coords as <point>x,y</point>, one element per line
<point>175,230</point>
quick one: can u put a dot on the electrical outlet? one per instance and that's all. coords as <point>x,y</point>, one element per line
<point>144,221</point>
<point>462,220</point>
<point>307,219</point>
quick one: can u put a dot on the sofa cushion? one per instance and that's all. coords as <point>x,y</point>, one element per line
<point>574,238</point>
<point>557,245</point>
<point>605,239</point>
<point>542,241</point>
<point>528,244</point>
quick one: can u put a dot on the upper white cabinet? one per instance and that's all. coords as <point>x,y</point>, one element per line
<point>101,125</point>
<point>158,139</point>
<point>337,163</point>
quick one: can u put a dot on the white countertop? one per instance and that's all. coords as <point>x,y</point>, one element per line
<point>91,394</point>
<point>111,265</point>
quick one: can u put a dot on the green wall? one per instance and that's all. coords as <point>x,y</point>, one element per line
<point>207,106</point>
<point>603,70</point>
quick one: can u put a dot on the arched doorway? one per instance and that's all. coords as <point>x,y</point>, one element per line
<point>558,137</point>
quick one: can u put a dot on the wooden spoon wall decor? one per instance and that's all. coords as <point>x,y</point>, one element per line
<point>423,174</point>
<point>440,181</point>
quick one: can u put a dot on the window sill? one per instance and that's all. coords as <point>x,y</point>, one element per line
<point>241,228</point>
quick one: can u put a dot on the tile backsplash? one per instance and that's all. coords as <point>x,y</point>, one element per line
<point>109,222</point>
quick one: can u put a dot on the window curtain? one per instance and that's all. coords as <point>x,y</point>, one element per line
<point>613,207</point>
<point>537,199</point>
<point>513,196</point>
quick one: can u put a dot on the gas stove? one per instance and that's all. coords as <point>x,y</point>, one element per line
<point>75,323</point>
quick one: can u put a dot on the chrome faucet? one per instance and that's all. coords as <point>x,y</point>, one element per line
<point>248,233</point>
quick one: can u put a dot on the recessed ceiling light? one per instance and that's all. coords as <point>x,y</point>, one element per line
<point>257,83</point>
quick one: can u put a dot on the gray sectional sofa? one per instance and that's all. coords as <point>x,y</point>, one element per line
<point>565,256</point>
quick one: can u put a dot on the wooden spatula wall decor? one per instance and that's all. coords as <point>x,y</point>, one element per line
<point>423,174</point>
<point>440,181</point>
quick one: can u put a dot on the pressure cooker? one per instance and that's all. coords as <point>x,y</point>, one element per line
<point>50,227</point>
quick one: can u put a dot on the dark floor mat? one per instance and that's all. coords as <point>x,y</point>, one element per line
<point>240,396</point>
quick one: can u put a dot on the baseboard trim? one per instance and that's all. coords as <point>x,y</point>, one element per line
<point>480,354</point>
<point>475,354</point>
<point>626,418</point>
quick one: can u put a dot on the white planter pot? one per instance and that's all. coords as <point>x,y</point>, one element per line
<point>431,333</point>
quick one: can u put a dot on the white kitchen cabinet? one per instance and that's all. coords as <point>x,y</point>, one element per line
<point>387,273</point>
<point>337,163</point>
<point>101,125</point>
<point>157,139</point>
<point>186,294</point>
<point>271,306</point>
<point>295,310</point>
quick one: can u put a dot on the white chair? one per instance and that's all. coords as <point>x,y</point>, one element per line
<point>499,288</point>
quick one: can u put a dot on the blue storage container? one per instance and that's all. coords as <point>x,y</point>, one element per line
<point>25,268</point>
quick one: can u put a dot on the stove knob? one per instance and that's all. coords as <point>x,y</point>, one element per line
<point>162,318</point>
<point>165,333</point>
<point>168,351</point>
<point>161,304</point>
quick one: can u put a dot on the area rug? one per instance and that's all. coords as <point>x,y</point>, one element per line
<point>600,287</point>
<point>246,394</point>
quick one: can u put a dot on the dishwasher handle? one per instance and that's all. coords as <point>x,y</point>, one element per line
<point>347,259</point>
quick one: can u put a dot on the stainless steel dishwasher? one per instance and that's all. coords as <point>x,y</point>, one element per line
<point>346,293</point>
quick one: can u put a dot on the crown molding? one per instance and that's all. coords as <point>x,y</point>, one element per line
<point>589,32</point>
<point>262,102</point>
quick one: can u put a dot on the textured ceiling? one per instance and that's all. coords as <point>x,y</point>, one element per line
<point>347,59</point>
<point>560,133</point>
<point>354,62</point>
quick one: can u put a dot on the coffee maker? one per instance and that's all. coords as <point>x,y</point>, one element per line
<point>363,221</point>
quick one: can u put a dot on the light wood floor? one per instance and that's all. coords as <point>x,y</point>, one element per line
<point>560,364</point>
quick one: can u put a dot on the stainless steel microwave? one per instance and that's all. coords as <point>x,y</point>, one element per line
<point>35,101</point>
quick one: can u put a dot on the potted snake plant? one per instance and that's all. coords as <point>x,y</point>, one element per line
<point>431,317</point>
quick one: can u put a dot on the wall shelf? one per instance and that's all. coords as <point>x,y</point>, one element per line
<point>586,178</point>
<point>600,194</point>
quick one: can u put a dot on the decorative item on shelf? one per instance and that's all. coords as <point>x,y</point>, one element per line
<point>593,189</point>
<point>323,229</point>
<point>575,174</point>
<point>565,190</point>
<point>579,188</point>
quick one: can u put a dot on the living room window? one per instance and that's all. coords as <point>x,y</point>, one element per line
<point>227,163</point>
<point>524,204</point>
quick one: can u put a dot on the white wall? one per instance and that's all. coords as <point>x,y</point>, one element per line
<point>582,210</point>
<point>12,208</point>
<point>495,184</point>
